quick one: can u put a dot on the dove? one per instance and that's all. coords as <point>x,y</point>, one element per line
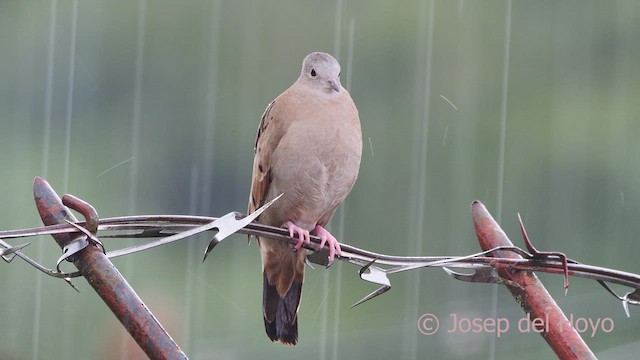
<point>308,148</point>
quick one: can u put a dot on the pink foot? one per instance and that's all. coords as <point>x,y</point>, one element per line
<point>332,243</point>
<point>303,235</point>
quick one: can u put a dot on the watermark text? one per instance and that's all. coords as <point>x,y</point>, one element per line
<point>429,324</point>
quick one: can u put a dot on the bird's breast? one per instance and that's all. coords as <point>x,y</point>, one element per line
<point>315,165</point>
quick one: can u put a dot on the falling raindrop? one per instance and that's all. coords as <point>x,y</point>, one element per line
<point>449,101</point>
<point>501,154</point>
<point>68,314</point>
<point>70,81</point>
<point>137,106</point>
<point>191,258</point>
<point>128,266</point>
<point>114,166</point>
<point>419,176</point>
<point>197,297</point>
<point>444,135</point>
<point>37,311</point>
<point>503,113</point>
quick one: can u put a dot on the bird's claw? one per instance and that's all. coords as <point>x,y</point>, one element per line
<point>330,240</point>
<point>303,235</point>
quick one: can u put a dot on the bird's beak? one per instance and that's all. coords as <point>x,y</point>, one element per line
<point>335,85</point>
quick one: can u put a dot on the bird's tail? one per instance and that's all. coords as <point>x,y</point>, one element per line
<point>281,292</point>
<point>281,313</point>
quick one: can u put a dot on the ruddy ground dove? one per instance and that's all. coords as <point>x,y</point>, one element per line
<point>308,147</point>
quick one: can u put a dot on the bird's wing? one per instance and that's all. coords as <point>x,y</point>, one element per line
<point>267,139</point>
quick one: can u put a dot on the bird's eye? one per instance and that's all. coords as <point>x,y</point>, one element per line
<point>313,72</point>
<point>339,73</point>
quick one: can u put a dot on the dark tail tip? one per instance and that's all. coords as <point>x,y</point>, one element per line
<point>287,334</point>
<point>280,313</point>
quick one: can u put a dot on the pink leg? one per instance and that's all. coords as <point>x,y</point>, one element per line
<point>332,243</point>
<point>303,235</point>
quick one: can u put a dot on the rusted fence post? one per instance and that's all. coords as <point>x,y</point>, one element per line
<point>107,281</point>
<point>533,298</point>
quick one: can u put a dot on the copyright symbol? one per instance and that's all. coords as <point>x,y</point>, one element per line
<point>428,324</point>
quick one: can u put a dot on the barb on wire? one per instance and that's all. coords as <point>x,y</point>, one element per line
<point>373,267</point>
<point>374,275</point>
<point>536,254</point>
<point>9,253</point>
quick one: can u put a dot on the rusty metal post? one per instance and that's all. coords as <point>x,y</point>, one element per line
<point>107,281</point>
<point>532,297</point>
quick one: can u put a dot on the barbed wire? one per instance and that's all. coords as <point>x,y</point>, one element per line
<point>374,267</point>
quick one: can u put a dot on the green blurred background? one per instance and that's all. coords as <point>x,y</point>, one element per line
<point>172,92</point>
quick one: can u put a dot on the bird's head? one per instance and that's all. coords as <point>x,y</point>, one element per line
<point>322,71</point>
